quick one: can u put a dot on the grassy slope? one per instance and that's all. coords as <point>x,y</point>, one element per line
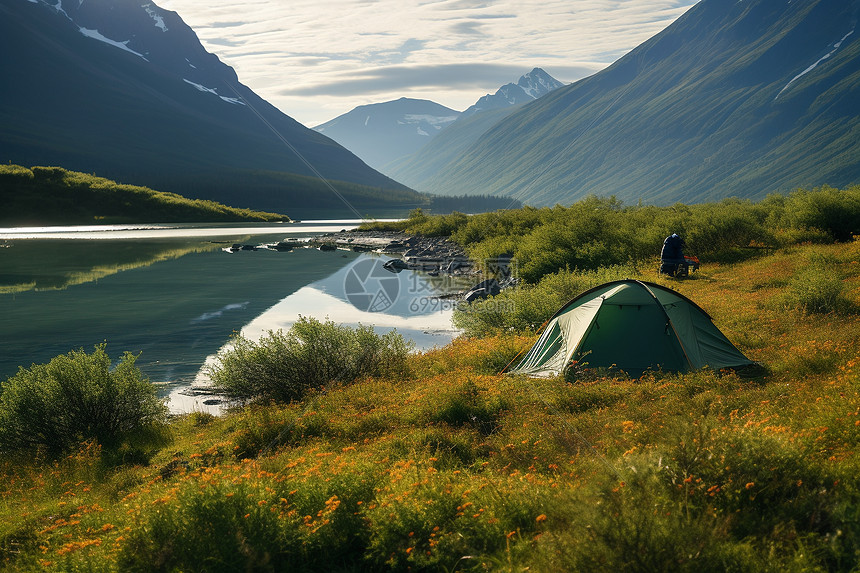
<point>687,116</point>
<point>456,468</point>
<point>52,195</point>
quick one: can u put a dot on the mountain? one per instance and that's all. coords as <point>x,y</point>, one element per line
<point>417,169</point>
<point>386,135</point>
<point>380,133</point>
<point>735,98</point>
<point>529,87</point>
<point>446,149</point>
<point>125,89</point>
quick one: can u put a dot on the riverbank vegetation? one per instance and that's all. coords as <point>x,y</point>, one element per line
<point>436,462</point>
<point>55,196</point>
<point>600,232</point>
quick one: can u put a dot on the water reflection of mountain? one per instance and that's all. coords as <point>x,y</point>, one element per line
<point>365,293</point>
<point>59,264</point>
<point>174,309</point>
<point>360,292</point>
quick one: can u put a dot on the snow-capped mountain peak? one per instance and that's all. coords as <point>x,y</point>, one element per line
<point>537,83</point>
<point>529,87</point>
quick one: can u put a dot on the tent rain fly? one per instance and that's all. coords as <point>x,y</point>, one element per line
<point>633,326</point>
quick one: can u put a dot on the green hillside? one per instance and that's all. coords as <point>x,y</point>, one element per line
<point>52,195</point>
<point>444,149</point>
<point>730,100</point>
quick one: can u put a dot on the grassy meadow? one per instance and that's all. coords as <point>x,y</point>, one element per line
<point>440,463</point>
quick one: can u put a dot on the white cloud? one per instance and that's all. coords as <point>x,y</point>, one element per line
<point>316,59</point>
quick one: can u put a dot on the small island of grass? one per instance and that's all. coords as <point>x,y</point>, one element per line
<point>56,196</point>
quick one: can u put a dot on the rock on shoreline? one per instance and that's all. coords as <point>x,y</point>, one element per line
<point>429,254</point>
<point>432,255</point>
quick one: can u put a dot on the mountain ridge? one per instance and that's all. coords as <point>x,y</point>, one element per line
<point>529,87</point>
<point>127,91</point>
<point>445,149</point>
<point>387,134</point>
<point>381,132</point>
<point>689,115</point>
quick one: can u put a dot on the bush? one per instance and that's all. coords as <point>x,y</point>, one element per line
<point>285,366</point>
<point>528,307</point>
<point>74,398</point>
<point>469,405</point>
<point>833,211</point>
<point>221,528</point>
<point>818,288</point>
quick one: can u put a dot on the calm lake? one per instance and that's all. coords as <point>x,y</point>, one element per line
<point>175,296</point>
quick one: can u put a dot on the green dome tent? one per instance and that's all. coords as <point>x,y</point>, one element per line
<point>633,326</point>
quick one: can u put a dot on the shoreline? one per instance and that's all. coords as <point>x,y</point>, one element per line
<point>433,255</point>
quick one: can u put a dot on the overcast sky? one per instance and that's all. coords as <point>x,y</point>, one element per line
<point>317,59</point>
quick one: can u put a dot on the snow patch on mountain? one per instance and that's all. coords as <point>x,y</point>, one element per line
<point>95,35</point>
<point>836,47</point>
<point>213,91</point>
<point>59,8</point>
<point>437,122</point>
<point>159,21</point>
<point>233,100</point>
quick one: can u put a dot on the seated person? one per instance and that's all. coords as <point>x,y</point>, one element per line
<point>672,261</point>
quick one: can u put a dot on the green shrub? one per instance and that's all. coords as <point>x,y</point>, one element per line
<point>285,366</point>
<point>468,405</point>
<point>74,398</point>
<point>638,526</point>
<point>833,211</point>
<point>527,308</point>
<point>264,429</point>
<point>818,288</point>
<point>221,528</point>
<point>599,231</point>
<point>451,522</point>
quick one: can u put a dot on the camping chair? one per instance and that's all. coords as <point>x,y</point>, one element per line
<point>679,267</point>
